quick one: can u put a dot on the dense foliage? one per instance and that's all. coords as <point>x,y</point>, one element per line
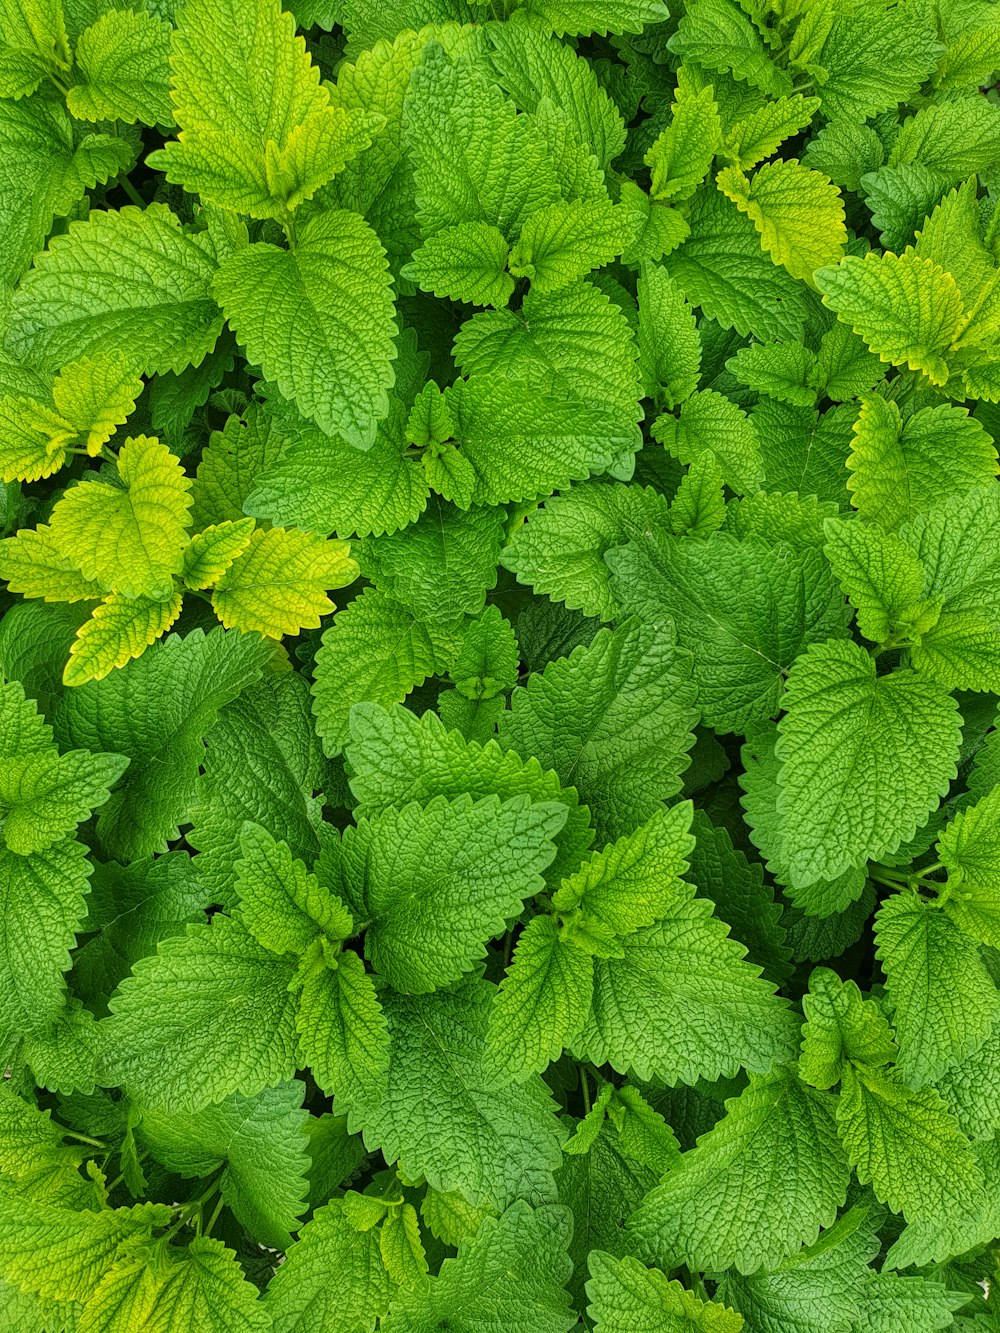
<point>594,922</point>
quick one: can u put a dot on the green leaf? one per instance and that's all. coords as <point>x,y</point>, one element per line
<point>969,848</point>
<point>128,538</point>
<point>625,1296</point>
<point>442,565</point>
<point>669,341</point>
<point>883,579</point>
<point>156,711</point>
<point>129,909</point>
<point>722,268</point>
<point>680,157</point>
<point>719,36</point>
<point>512,1270</point>
<point>786,371</point>
<point>682,1004</point>
<point>522,445</point>
<point>907,1146</point>
<point>566,239</point>
<point>326,484</point>
<point>397,758</point>
<point>208,1015</point>
<point>474,159</point>
<point>874,59</point>
<point>342,1032</point>
<point>776,1131</point>
<point>43,896</point>
<point>724,876</point>
<point>43,173</point>
<point>467,262</point>
<point>963,648</point>
<point>318,318</point>
<point>256,132</point>
<point>943,1001</point>
<point>560,549</point>
<point>281,904</point>
<point>261,1144</point>
<point>761,131</point>
<point>633,882</point>
<point>248,445</point>
<point>864,759</point>
<point>840,1026</point>
<point>59,1252</point>
<point>575,344</point>
<point>532,66</point>
<point>262,764</point>
<point>377,651</point>
<point>899,469</point>
<point>203,1287</point>
<point>438,881</point>
<point>760,781</point>
<point>435,1114</point>
<point>211,552</point>
<point>402,1250</point>
<point>45,795</point>
<point>711,423</point>
<point>744,609</point>
<point>123,58</point>
<point>123,283</point>
<point>613,719</point>
<point>830,1284</point>
<point>798,212</point>
<point>908,310</point>
<point>332,1279</point>
<point>541,1005</point>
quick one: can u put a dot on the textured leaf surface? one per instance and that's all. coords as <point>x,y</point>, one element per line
<point>435,1113</point>
<point>319,319</point>
<point>507,1276</point>
<point>776,1131</point>
<point>213,989</point>
<point>128,538</point>
<point>625,1296</point>
<point>612,720</point>
<point>437,881</point>
<point>944,1002</point>
<point>744,609</point>
<point>161,707</point>
<point>130,281</point>
<point>892,738</point>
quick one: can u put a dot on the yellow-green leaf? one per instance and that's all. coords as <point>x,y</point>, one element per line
<point>758,134</point>
<point>908,310</point>
<point>96,395</point>
<point>33,440</point>
<point>210,553</point>
<point>279,583</point>
<point>798,212</point>
<point>34,567</point>
<point>120,628</point>
<point>128,539</point>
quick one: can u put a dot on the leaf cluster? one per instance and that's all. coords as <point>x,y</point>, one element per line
<point>591,919</point>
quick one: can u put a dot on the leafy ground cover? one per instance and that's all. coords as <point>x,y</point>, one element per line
<point>499,823</point>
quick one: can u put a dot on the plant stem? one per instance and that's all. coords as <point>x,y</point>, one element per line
<point>131,191</point>
<point>83,1138</point>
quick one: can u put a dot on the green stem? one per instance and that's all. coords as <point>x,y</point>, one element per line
<point>207,1229</point>
<point>83,1138</point>
<point>131,191</point>
<point>586,1090</point>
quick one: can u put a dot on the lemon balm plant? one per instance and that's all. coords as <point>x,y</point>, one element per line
<point>590,918</point>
